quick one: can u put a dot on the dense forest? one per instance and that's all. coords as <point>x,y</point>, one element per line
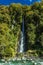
<point>10,28</point>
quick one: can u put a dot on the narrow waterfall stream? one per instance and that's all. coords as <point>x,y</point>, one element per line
<point>22,38</point>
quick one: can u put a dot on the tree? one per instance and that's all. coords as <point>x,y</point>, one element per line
<point>7,40</point>
<point>41,39</point>
<point>5,18</point>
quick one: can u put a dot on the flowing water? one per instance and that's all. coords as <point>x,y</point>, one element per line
<point>22,39</point>
<point>21,63</point>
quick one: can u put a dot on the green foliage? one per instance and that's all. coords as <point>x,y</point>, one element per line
<point>9,31</point>
<point>7,40</point>
<point>34,27</point>
<point>41,39</point>
<point>10,28</point>
<point>16,12</point>
<point>5,18</point>
<point>9,52</point>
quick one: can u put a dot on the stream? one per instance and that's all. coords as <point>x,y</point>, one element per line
<point>20,62</point>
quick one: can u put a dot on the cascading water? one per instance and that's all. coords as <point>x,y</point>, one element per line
<point>22,38</point>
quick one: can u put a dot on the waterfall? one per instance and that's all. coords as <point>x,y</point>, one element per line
<point>22,38</point>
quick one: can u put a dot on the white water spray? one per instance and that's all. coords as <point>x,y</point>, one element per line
<point>22,39</point>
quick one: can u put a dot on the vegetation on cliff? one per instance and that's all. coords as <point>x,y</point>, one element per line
<point>10,28</point>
